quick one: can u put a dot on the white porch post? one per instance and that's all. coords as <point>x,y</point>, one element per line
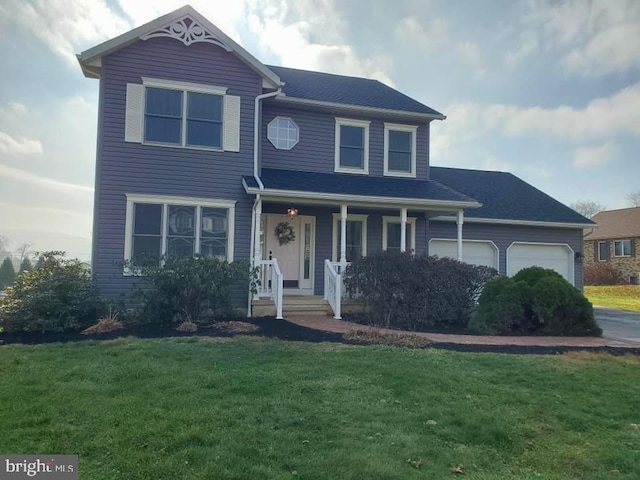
<point>403,229</point>
<point>256,245</point>
<point>343,237</point>
<point>459,222</point>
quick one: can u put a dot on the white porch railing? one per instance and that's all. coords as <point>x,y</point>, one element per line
<point>334,290</point>
<point>271,283</point>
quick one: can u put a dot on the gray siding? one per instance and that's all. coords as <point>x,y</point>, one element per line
<point>505,235</point>
<point>315,152</point>
<point>132,168</point>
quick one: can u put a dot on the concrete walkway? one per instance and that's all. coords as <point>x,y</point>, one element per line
<point>329,324</point>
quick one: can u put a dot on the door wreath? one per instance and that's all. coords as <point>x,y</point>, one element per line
<point>285,233</point>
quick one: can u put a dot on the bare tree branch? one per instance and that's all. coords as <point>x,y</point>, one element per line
<point>587,208</point>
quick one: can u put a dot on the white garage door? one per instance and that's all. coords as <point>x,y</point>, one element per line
<point>473,252</point>
<point>555,257</point>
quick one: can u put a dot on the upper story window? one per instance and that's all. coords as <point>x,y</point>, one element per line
<point>179,114</point>
<point>283,133</point>
<point>622,248</point>
<point>400,150</point>
<point>177,227</point>
<point>352,146</point>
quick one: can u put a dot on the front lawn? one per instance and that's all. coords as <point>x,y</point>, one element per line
<point>624,297</point>
<point>250,408</point>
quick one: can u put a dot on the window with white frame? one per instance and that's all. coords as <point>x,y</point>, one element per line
<point>356,237</point>
<point>352,146</point>
<point>176,227</point>
<point>622,248</point>
<point>603,251</point>
<point>391,233</point>
<point>283,133</point>
<point>180,114</point>
<point>400,150</point>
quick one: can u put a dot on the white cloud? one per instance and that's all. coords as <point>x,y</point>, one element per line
<point>421,34</point>
<point>602,118</point>
<point>302,36</point>
<point>596,37</point>
<point>11,145</point>
<point>17,175</point>
<point>589,157</point>
<point>66,27</point>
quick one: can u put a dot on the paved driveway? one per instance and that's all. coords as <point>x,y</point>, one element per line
<point>618,324</point>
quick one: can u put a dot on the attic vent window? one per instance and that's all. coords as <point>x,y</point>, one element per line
<point>283,133</point>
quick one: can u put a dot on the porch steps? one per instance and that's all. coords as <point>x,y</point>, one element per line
<point>293,305</point>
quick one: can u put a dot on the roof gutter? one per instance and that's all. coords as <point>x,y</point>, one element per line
<point>256,133</point>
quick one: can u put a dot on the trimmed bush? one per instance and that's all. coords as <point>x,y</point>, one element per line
<point>402,291</point>
<point>562,309</point>
<point>191,289</point>
<point>56,296</point>
<point>535,301</point>
<point>602,274</point>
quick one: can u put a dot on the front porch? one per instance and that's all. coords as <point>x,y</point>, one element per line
<point>303,272</point>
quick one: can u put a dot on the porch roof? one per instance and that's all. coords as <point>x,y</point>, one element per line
<point>357,188</point>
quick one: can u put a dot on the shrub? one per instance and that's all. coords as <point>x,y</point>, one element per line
<point>602,274</point>
<point>503,307</point>
<point>190,289</point>
<point>536,300</point>
<point>104,325</point>
<point>562,309</point>
<point>56,296</point>
<point>415,293</point>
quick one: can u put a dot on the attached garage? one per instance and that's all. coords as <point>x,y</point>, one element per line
<point>558,257</point>
<point>475,252</point>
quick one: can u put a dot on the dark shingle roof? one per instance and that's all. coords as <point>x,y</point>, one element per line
<point>364,92</point>
<point>504,196</point>
<point>336,183</point>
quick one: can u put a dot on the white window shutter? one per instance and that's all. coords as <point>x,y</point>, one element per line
<point>134,112</point>
<point>231,140</point>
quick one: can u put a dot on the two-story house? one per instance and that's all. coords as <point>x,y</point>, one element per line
<point>202,149</point>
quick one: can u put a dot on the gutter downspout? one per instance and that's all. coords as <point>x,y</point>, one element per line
<point>256,151</point>
<point>256,133</point>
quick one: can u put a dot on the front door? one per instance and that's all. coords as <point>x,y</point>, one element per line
<point>295,256</point>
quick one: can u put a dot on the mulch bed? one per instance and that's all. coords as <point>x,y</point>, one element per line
<point>269,327</point>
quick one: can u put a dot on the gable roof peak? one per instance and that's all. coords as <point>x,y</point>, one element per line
<point>185,24</point>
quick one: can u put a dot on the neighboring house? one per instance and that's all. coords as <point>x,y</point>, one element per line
<point>202,149</point>
<point>616,241</point>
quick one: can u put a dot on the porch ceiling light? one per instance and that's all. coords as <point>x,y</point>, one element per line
<point>292,212</point>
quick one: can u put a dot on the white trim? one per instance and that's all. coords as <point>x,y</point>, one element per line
<point>464,240</point>
<point>413,129</point>
<point>191,87</point>
<point>365,162</point>
<point>572,269</point>
<point>336,224</point>
<point>333,198</point>
<point>165,201</point>
<point>623,255</point>
<point>387,219</point>
<point>598,242</point>
<point>427,117</point>
<point>531,223</point>
<point>91,60</point>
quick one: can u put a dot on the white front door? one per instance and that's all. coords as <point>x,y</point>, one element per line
<point>296,257</point>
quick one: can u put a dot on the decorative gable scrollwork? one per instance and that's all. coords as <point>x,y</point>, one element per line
<point>188,31</point>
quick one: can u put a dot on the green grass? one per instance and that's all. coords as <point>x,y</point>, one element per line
<point>624,297</point>
<point>199,408</point>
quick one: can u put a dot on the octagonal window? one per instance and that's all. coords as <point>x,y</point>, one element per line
<point>283,133</point>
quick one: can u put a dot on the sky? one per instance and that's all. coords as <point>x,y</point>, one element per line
<point>548,90</point>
